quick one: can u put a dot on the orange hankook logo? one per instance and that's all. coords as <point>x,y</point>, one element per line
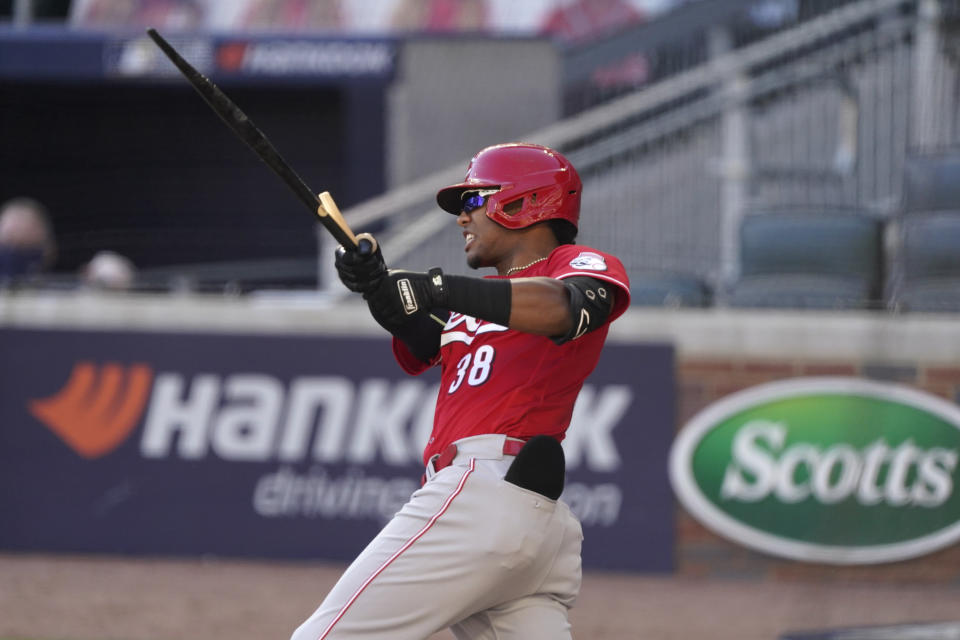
<point>96,410</point>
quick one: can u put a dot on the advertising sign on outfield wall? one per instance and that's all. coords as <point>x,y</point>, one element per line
<point>834,470</point>
<point>284,446</point>
<point>316,59</point>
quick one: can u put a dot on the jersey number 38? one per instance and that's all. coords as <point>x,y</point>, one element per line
<point>474,368</point>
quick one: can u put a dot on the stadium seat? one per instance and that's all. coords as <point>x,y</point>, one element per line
<point>925,257</point>
<point>931,182</point>
<point>929,262</point>
<point>809,259</point>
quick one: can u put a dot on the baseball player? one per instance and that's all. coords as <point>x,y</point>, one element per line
<point>486,547</point>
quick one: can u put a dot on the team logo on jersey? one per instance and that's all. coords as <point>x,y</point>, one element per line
<point>590,261</point>
<point>461,328</point>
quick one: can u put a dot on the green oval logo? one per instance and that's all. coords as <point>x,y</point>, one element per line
<point>836,470</point>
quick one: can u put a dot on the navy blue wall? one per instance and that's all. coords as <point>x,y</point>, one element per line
<point>105,132</point>
<point>151,172</point>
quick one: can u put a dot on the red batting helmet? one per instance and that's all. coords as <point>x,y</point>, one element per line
<point>535,184</point>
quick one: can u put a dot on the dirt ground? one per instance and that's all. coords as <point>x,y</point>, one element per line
<point>108,598</point>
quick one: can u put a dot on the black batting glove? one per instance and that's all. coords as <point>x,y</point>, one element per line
<point>360,270</point>
<point>401,295</point>
<point>405,305</point>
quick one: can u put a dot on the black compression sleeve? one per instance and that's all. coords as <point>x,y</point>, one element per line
<point>483,298</point>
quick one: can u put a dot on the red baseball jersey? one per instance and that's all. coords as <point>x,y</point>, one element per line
<point>496,380</point>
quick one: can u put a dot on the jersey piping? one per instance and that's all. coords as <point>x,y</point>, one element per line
<point>399,552</point>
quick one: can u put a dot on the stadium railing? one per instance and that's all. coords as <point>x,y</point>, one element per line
<point>819,115</point>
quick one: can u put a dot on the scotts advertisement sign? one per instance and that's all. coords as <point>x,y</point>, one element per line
<point>833,470</point>
<point>283,446</point>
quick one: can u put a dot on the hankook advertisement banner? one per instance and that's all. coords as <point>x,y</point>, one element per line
<point>284,446</point>
<point>832,470</point>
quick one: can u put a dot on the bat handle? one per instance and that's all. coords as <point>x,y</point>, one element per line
<point>328,209</point>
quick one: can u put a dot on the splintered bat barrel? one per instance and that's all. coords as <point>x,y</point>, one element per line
<point>244,128</point>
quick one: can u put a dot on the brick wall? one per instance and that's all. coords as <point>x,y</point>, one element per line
<point>702,553</point>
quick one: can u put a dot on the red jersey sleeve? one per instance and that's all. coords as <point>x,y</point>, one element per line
<point>577,260</point>
<point>409,362</point>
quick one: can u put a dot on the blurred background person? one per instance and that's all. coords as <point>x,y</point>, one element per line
<point>585,21</point>
<point>589,20</point>
<point>174,14</point>
<point>27,244</point>
<point>293,15</point>
<point>439,15</point>
<point>109,270</point>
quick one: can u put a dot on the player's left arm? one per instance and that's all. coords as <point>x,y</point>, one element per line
<point>563,310</point>
<point>539,305</point>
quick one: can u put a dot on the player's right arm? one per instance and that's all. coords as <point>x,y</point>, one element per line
<point>419,333</point>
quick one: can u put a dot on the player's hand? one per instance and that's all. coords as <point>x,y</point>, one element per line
<point>403,294</point>
<point>360,270</point>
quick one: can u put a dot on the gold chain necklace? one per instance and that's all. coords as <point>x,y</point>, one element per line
<point>526,266</point>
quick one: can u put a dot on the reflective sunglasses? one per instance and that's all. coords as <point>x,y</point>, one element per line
<point>475,199</point>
